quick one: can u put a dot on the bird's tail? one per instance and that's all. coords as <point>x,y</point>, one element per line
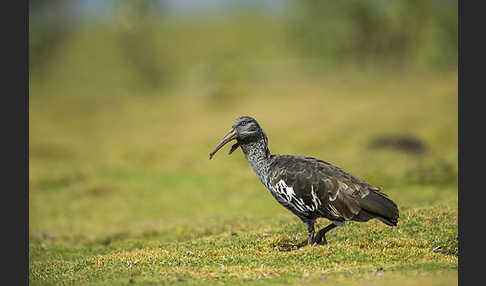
<point>378,205</point>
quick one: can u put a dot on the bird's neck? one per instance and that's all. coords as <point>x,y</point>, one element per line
<point>258,156</point>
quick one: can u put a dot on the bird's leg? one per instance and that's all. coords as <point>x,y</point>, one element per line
<point>321,234</point>
<point>310,229</point>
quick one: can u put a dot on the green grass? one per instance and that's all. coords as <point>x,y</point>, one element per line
<point>121,187</point>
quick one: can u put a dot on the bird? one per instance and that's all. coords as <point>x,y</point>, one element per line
<point>310,188</point>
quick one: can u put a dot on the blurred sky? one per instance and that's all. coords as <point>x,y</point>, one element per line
<point>96,8</point>
<point>173,8</point>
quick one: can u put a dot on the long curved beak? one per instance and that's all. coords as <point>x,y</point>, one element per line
<point>232,134</point>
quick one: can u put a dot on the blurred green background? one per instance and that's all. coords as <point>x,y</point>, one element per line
<point>127,99</point>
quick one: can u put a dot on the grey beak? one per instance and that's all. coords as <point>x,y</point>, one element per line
<point>231,135</point>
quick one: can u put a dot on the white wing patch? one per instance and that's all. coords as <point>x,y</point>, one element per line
<point>286,195</point>
<point>315,199</point>
<point>333,210</point>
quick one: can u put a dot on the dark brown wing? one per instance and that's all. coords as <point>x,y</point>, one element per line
<point>318,188</point>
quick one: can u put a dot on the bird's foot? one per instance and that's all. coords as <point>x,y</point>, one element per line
<point>320,240</point>
<point>315,242</point>
<point>310,241</point>
<point>319,243</point>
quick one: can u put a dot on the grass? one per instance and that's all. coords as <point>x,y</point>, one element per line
<point>122,191</point>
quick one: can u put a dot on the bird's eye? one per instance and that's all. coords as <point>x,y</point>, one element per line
<point>244,123</point>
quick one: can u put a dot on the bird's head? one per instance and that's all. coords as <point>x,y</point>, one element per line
<point>245,130</point>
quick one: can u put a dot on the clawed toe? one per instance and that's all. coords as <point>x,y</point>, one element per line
<point>316,242</point>
<point>320,237</point>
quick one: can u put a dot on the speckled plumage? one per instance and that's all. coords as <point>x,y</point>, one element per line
<point>310,188</point>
